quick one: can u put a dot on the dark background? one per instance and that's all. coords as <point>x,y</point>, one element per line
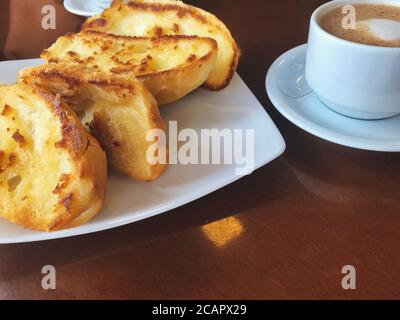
<point>302,217</point>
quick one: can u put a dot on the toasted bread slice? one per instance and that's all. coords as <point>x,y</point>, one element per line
<point>158,18</point>
<point>169,66</point>
<point>52,172</point>
<point>117,110</point>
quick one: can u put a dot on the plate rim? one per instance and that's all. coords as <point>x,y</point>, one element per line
<point>312,127</point>
<point>68,5</point>
<point>112,223</point>
<point>119,222</point>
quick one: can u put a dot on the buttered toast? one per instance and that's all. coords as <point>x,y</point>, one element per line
<point>52,172</point>
<point>169,17</point>
<point>169,66</point>
<point>119,111</point>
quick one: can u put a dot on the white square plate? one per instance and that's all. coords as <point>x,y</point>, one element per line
<point>129,201</point>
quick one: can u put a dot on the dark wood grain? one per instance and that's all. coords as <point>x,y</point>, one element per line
<point>284,232</point>
<point>4,25</point>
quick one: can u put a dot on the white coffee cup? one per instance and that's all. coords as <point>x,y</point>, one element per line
<point>356,80</point>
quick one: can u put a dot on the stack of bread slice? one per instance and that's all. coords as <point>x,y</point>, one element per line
<point>169,66</point>
<point>155,18</point>
<point>105,82</point>
<point>116,110</point>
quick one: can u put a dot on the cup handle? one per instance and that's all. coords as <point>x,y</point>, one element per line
<point>292,80</point>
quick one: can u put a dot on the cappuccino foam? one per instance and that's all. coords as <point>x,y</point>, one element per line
<point>375,24</point>
<point>387,30</point>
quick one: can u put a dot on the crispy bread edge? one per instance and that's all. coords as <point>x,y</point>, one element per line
<point>182,9</point>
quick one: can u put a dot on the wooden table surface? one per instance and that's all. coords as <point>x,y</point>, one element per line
<point>284,232</point>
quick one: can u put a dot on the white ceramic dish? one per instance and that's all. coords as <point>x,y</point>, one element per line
<point>305,110</point>
<point>129,201</point>
<point>86,8</point>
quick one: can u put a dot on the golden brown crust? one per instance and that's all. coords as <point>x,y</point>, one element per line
<point>181,11</point>
<point>168,17</point>
<point>94,165</point>
<point>232,69</point>
<point>118,111</point>
<point>73,134</point>
<point>44,184</point>
<point>169,81</point>
<point>180,80</point>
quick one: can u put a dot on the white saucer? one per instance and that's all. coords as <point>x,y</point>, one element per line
<point>83,8</point>
<point>309,113</point>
